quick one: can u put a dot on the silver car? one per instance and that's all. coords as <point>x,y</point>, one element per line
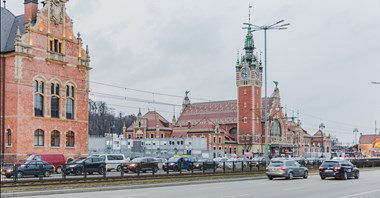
<point>287,169</point>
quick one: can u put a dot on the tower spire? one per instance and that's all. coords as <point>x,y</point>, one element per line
<point>249,45</point>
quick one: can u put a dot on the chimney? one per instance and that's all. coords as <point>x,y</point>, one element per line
<point>30,10</point>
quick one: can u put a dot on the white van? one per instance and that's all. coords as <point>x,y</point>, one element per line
<point>114,161</point>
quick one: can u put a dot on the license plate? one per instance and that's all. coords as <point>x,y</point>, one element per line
<point>349,170</point>
<point>328,171</point>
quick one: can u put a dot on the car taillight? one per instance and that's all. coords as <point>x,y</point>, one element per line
<point>336,168</point>
<point>283,168</point>
<point>321,168</point>
<point>267,168</point>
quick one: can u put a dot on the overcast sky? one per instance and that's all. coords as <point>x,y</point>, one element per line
<point>324,63</point>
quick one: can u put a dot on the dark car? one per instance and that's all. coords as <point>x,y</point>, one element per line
<point>204,164</point>
<point>34,167</point>
<point>257,161</point>
<point>88,165</point>
<point>141,164</point>
<point>177,163</point>
<point>286,168</point>
<point>338,169</point>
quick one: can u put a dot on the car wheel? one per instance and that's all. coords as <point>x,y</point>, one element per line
<point>119,168</point>
<point>323,177</point>
<point>344,175</point>
<point>155,169</point>
<point>58,170</point>
<point>20,174</point>
<point>290,176</point>
<point>270,177</point>
<point>8,176</point>
<point>305,175</point>
<point>90,173</point>
<point>78,171</point>
<point>101,171</point>
<point>47,173</point>
<point>357,175</point>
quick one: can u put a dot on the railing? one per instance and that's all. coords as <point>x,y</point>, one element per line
<point>15,173</point>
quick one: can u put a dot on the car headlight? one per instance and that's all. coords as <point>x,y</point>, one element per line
<point>9,170</point>
<point>133,165</point>
<point>72,166</point>
<point>171,164</point>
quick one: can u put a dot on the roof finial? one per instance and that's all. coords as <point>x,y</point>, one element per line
<point>4,3</point>
<point>249,14</point>
<point>237,60</point>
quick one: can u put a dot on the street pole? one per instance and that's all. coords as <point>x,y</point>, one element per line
<point>356,132</point>
<point>275,26</point>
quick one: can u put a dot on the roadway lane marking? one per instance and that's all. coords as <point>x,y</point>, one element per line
<point>122,196</point>
<point>363,193</point>
<point>244,195</point>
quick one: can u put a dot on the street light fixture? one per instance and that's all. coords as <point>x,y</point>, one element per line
<point>276,26</point>
<point>356,132</point>
<point>376,83</point>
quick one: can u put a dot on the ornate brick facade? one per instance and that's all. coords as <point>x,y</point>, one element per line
<point>46,82</point>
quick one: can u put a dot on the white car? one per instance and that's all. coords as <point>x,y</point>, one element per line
<point>114,161</point>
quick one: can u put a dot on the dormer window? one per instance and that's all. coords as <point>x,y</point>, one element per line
<point>56,45</point>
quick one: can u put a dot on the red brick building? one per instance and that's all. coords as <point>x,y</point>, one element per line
<point>232,126</point>
<point>44,82</point>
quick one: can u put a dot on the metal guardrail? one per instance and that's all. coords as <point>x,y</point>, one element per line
<point>87,173</point>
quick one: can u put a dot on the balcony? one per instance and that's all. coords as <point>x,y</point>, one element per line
<point>56,57</point>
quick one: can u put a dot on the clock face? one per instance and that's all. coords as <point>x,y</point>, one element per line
<point>244,74</point>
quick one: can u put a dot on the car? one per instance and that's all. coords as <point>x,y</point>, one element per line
<point>6,167</point>
<point>141,164</point>
<point>114,161</point>
<point>235,163</point>
<point>56,159</point>
<point>88,165</point>
<point>339,168</point>
<point>220,161</point>
<point>286,168</point>
<point>177,163</point>
<point>257,161</point>
<point>34,167</point>
<point>204,164</point>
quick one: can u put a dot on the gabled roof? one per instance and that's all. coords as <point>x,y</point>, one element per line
<point>154,120</point>
<point>221,112</point>
<point>318,134</point>
<point>9,25</point>
<point>368,139</point>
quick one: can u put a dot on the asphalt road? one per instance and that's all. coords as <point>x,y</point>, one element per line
<point>367,186</point>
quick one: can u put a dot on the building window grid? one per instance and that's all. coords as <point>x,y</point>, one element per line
<point>55,138</point>
<point>39,89</point>
<point>70,139</point>
<point>39,138</point>
<point>70,102</point>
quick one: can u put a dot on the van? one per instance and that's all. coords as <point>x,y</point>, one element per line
<point>57,160</point>
<point>114,161</point>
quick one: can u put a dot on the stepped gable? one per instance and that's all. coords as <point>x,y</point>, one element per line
<point>221,112</point>
<point>368,139</point>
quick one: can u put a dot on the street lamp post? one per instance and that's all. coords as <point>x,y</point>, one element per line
<point>356,132</point>
<point>276,26</point>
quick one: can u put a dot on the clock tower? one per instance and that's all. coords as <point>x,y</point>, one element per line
<point>249,82</point>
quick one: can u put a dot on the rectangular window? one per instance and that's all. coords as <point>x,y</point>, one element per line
<point>54,107</point>
<point>151,135</point>
<point>69,109</point>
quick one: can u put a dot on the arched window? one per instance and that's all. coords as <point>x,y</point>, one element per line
<point>70,102</point>
<point>9,137</point>
<point>55,138</point>
<point>54,101</point>
<point>70,139</point>
<point>38,137</point>
<point>39,88</point>
<point>275,129</point>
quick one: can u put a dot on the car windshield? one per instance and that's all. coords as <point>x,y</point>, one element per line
<point>276,164</point>
<point>137,160</point>
<point>78,161</point>
<point>202,160</point>
<point>173,159</point>
<point>330,163</point>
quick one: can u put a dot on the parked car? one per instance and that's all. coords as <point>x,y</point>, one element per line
<point>204,164</point>
<point>257,161</point>
<point>114,161</point>
<point>286,168</point>
<point>220,161</point>
<point>35,167</point>
<point>160,161</point>
<point>141,164</point>
<point>236,163</point>
<point>338,169</point>
<point>5,167</point>
<point>177,163</point>
<point>57,160</point>
<point>89,165</point>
